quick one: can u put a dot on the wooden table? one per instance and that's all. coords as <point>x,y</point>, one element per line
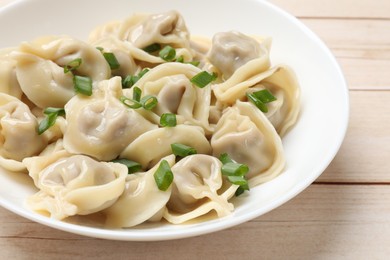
<point>345,213</point>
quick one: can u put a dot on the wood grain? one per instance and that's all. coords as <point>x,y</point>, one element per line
<point>343,215</point>
<point>325,221</point>
<point>364,155</point>
<point>345,9</point>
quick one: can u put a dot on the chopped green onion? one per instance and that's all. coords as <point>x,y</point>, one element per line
<point>235,173</point>
<point>195,63</point>
<point>50,110</point>
<point>264,95</point>
<point>111,60</point>
<point>131,165</point>
<point>224,158</point>
<point>82,85</point>
<point>163,176</point>
<point>240,190</point>
<point>202,79</point>
<point>131,103</point>
<point>148,102</point>
<point>100,48</point>
<point>257,102</point>
<point>261,98</point>
<point>130,80</point>
<point>182,150</point>
<point>234,169</point>
<point>137,94</point>
<point>180,59</point>
<point>47,122</point>
<point>167,53</point>
<point>152,48</point>
<point>73,65</point>
<point>51,116</point>
<point>237,180</point>
<point>168,120</point>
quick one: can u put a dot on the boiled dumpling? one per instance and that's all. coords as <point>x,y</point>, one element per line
<point>281,82</point>
<point>142,30</point>
<point>141,200</point>
<point>170,82</point>
<point>230,51</point>
<point>43,81</point>
<point>122,52</point>
<point>74,184</point>
<point>198,188</point>
<point>151,146</point>
<point>18,132</point>
<point>64,49</point>
<point>246,135</point>
<point>164,28</point>
<point>8,81</point>
<point>100,125</point>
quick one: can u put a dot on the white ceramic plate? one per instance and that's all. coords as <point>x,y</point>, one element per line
<point>309,147</point>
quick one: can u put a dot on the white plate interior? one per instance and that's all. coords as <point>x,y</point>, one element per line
<point>309,147</point>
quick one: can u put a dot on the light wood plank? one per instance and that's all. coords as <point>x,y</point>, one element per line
<point>325,221</point>
<point>364,155</point>
<point>340,8</point>
<point>362,48</point>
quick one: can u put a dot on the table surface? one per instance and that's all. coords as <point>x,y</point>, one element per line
<point>345,213</point>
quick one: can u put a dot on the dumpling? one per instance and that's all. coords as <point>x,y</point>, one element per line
<point>43,81</point>
<point>198,188</point>
<point>151,146</point>
<point>142,30</point>
<point>64,49</point>
<point>281,82</point>
<point>100,125</point>
<point>8,81</point>
<point>141,200</point>
<point>230,51</point>
<point>18,130</point>
<point>164,28</point>
<point>122,52</point>
<point>74,185</point>
<point>170,83</point>
<point>247,136</point>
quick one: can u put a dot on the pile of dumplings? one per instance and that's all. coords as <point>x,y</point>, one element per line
<point>72,163</point>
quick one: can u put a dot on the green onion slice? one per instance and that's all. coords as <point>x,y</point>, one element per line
<point>130,103</point>
<point>152,48</point>
<point>182,150</point>
<point>137,92</point>
<point>224,158</point>
<point>202,79</point>
<point>168,120</point>
<point>100,48</point>
<point>130,80</point>
<point>131,165</point>
<point>111,60</point>
<point>50,110</point>
<point>257,102</point>
<point>180,59</point>
<point>234,169</point>
<point>261,98</point>
<point>167,53</point>
<point>149,102</point>
<point>73,65</point>
<point>240,190</point>
<point>50,119</point>
<point>163,176</point>
<point>82,85</point>
<point>235,173</point>
<point>237,180</point>
<point>264,95</point>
